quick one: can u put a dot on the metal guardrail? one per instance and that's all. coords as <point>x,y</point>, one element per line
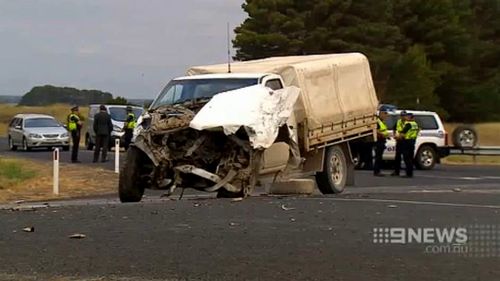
<point>476,151</point>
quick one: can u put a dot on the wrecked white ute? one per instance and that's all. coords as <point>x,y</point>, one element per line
<point>210,144</point>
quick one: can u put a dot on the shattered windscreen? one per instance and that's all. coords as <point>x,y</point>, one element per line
<point>179,91</point>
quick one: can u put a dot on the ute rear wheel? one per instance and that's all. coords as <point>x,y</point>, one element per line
<point>130,185</point>
<point>333,178</point>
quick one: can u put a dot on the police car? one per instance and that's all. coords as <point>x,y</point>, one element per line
<point>432,140</point>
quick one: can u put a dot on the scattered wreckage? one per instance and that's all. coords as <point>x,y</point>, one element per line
<point>220,132</point>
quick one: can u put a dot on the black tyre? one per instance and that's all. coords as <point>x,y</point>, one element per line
<point>464,136</point>
<point>88,142</point>
<point>26,147</point>
<point>11,145</point>
<point>333,178</point>
<point>130,186</point>
<point>426,157</point>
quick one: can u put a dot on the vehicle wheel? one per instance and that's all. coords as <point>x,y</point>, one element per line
<point>66,148</point>
<point>88,142</point>
<point>11,145</point>
<point>426,158</point>
<point>464,136</point>
<point>130,187</point>
<point>334,175</point>
<point>25,145</point>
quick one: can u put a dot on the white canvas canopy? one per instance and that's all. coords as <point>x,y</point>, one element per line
<point>334,88</point>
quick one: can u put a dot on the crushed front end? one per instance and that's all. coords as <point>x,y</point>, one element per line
<point>207,160</point>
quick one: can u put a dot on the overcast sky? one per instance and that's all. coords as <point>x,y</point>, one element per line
<point>130,48</point>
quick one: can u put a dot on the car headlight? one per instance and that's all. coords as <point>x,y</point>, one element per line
<point>116,128</point>
<point>64,135</point>
<point>35,136</point>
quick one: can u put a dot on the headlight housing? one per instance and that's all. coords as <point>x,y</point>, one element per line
<point>116,128</point>
<point>64,135</point>
<point>34,136</point>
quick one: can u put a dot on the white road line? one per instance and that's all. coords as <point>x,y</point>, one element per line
<point>410,202</point>
<point>452,178</point>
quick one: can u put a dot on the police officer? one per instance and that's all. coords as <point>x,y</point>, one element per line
<point>398,128</point>
<point>102,129</point>
<point>409,135</point>
<point>74,126</point>
<point>382,134</point>
<point>128,127</point>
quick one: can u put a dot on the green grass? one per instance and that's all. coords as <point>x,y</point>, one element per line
<point>13,172</point>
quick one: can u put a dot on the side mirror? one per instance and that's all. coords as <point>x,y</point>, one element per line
<point>18,127</point>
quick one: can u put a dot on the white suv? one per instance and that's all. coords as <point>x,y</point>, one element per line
<point>432,141</point>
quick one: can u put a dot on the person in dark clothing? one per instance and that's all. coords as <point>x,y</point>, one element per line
<point>102,128</point>
<point>398,127</point>
<point>382,134</point>
<point>128,127</point>
<point>409,134</point>
<point>74,125</point>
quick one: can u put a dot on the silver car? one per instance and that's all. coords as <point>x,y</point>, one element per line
<point>37,130</point>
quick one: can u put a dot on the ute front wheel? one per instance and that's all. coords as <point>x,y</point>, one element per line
<point>130,185</point>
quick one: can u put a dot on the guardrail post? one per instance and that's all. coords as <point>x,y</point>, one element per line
<point>117,155</point>
<point>55,159</point>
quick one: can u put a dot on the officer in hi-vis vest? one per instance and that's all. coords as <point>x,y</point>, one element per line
<point>129,127</point>
<point>399,141</point>
<point>74,126</point>
<point>409,134</point>
<point>382,135</point>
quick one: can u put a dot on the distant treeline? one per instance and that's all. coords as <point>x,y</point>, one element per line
<point>10,99</point>
<point>48,94</point>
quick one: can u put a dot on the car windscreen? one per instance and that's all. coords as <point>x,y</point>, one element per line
<point>40,123</point>
<point>120,113</point>
<point>179,91</point>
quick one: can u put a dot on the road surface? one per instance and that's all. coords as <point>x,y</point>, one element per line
<point>264,237</point>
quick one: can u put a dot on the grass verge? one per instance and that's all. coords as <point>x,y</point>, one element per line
<point>13,172</point>
<point>31,180</point>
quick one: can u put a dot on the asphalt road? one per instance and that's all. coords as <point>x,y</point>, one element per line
<point>263,237</point>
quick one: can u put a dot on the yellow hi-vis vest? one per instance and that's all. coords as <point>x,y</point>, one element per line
<point>399,127</point>
<point>131,124</point>
<point>413,131</point>
<point>382,128</point>
<point>73,125</point>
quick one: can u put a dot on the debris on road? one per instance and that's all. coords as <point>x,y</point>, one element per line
<point>285,208</point>
<point>233,224</point>
<point>392,206</point>
<point>292,220</point>
<point>239,199</point>
<point>29,229</point>
<point>77,236</point>
<point>457,189</point>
